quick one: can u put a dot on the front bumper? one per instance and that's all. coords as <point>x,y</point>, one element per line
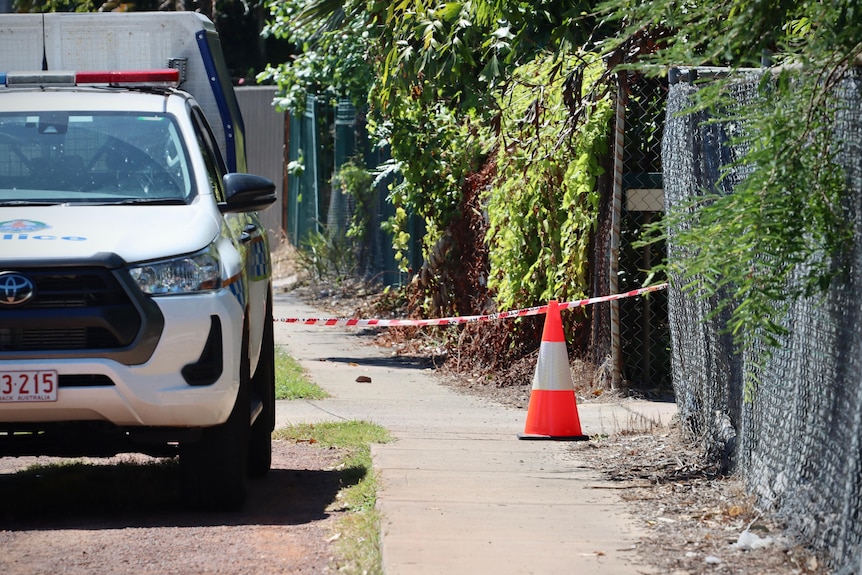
<point>154,393</point>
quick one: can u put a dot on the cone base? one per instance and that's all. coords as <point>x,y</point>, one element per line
<point>535,436</point>
<point>552,414</point>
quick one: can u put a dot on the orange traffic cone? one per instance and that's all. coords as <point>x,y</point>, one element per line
<point>553,410</point>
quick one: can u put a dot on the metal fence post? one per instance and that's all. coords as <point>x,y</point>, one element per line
<point>616,210</point>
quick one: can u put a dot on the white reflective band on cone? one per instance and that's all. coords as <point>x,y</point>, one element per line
<point>552,369</point>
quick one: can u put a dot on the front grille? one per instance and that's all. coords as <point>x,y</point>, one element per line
<point>56,339</point>
<point>82,288</point>
<point>36,339</point>
<point>72,309</point>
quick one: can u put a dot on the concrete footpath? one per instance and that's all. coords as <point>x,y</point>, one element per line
<point>461,494</point>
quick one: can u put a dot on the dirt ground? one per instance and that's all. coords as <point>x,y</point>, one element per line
<point>696,522</point>
<point>113,516</point>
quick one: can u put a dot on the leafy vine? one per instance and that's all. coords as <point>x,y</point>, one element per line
<point>544,204</point>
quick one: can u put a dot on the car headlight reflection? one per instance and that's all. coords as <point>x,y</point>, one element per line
<point>186,274</point>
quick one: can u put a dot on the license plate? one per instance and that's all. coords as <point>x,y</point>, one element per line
<point>22,386</point>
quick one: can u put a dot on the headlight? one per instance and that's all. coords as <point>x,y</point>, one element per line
<point>186,274</point>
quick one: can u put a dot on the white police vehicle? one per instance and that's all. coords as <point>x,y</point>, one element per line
<point>135,292</point>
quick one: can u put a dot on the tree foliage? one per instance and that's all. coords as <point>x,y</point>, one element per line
<point>469,48</point>
<point>333,57</point>
<point>434,149</point>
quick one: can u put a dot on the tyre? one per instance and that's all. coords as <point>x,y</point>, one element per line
<point>214,469</point>
<point>263,386</point>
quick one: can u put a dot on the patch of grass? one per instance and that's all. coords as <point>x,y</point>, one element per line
<point>359,542</point>
<point>291,381</point>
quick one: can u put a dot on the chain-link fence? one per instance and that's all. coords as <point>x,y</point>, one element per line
<point>644,337</point>
<point>794,436</point>
<point>321,141</point>
<point>306,184</point>
<point>375,256</point>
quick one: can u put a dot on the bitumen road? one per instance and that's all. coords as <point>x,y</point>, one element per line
<point>460,493</point>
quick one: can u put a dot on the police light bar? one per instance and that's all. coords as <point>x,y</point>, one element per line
<point>167,78</point>
<point>26,79</point>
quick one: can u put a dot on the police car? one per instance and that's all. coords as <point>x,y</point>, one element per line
<point>135,292</point>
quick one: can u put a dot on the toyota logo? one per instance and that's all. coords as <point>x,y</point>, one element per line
<point>15,288</point>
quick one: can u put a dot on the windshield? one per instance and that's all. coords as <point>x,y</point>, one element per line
<point>105,157</point>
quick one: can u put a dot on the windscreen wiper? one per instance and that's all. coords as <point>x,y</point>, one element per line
<point>17,203</point>
<point>153,201</point>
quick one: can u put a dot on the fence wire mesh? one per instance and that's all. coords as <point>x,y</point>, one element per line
<point>305,183</point>
<point>795,437</point>
<point>644,336</point>
<point>321,141</point>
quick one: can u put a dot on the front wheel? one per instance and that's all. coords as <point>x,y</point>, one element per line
<point>263,386</point>
<point>214,468</point>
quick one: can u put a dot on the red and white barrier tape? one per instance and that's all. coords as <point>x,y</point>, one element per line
<point>467,318</point>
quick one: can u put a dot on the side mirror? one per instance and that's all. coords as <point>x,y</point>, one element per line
<point>247,193</point>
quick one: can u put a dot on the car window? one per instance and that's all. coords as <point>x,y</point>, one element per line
<point>92,158</point>
<point>214,162</point>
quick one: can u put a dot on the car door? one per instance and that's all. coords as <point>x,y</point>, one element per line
<point>250,239</point>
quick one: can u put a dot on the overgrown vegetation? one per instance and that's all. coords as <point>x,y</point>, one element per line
<point>544,204</point>
<point>354,180</point>
<point>359,541</point>
<point>328,255</point>
<point>457,87</point>
<point>337,250</point>
<point>438,100</point>
<point>435,149</point>
<point>781,234</point>
<point>332,60</point>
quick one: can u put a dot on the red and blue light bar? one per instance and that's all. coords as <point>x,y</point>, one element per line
<point>168,78</point>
